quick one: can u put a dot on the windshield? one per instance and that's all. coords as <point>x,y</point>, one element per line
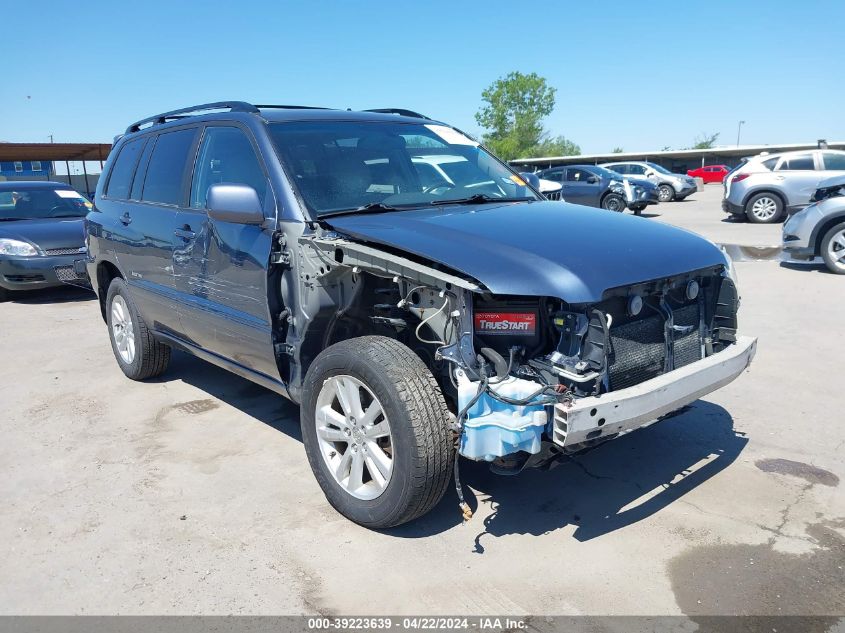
<point>348,165</point>
<point>657,167</point>
<point>32,204</point>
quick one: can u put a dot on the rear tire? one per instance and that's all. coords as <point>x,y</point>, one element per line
<point>764,208</point>
<point>138,353</point>
<point>613,202</point>
<point>665,193</point>
<point>4,295</point>
<point>638,210</point>
<point>833,249</point>
<point>344,383</point>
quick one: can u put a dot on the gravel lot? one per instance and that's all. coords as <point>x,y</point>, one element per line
<point>192,494</point>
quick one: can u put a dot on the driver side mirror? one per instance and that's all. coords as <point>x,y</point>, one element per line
<point>531,179</point>
<point>592,179</point>
<point>239,204</point>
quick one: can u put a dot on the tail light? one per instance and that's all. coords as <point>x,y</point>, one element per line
<point>739,177</point>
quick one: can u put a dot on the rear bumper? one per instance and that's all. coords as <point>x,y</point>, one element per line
<point>622,411</point>
<point>31,273</point>
<point>733,209</point>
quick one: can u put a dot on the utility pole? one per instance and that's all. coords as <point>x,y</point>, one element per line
<point>738,130</point>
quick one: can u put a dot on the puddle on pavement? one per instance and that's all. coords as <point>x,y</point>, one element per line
<point>758,580</point>
<point>743,253</point>
<point>811,474</point>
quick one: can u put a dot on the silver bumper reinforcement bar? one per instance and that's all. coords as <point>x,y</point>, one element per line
<point>627,409</point>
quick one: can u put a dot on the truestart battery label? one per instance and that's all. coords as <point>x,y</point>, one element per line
<point>524,323</point>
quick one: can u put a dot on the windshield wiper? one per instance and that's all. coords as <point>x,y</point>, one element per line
<point>480,198</point>
<point>370,207</point>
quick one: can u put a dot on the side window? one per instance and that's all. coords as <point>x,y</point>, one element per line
<point>577,175</point>
<point>834,161</point>
<point>637,170</point>
<point>802,162</point>
<point>619,169</point>
<point>770,163</point>
<point>226,155</point>
<point>141,170</point>
<point>120,178</point>
<point>163,182</point>
<point>556,176</point>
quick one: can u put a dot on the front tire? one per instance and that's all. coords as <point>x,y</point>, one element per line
<point>764,208</point>
<point>4,295</point>
<point>136,350</point>
<point>833,249</point>
<point>665,193</point>
<point>376,431</point>
<point>613,202</point>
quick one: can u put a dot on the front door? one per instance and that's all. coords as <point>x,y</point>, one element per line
<point>221,267</point>
<point>581,187</point>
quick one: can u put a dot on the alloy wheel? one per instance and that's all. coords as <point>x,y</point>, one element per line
<point>122,330</point>
<point>836,250</point>
<point>764,208</point>
<point>353,434</point>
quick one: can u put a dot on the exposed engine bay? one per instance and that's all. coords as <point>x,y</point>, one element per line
<point>515,368</point>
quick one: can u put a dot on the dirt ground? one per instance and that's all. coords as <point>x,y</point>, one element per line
<point>191,494</point>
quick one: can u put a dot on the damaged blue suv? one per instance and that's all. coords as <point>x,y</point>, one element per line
<point>415,296</point>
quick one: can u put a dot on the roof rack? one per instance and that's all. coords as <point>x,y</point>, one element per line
<point>232,106</point>
<point>400,112</point>
<point>291,107</point>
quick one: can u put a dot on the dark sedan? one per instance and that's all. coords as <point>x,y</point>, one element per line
<point>595,186</point>
<point>41,233</point>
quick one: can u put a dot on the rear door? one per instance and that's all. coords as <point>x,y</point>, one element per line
<point>148,220</point>
<point>221,267</point>
<point>798,176</point>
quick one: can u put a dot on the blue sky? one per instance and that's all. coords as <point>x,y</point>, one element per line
<point>638,75</point>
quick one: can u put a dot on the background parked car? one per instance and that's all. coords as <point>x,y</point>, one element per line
<point>767,186</point>
<point>669,186</point>
<point>710,173</point>
<point>41,233</point>
<point>588,186</point>
<point>818,230</point>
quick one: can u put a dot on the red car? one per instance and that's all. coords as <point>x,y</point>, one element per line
<point>710,173</point>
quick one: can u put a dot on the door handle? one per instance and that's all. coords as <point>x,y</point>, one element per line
<point>185,232</point>
<point>126,218</point>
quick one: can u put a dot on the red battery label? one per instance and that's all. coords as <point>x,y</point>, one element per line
<point>519,323</point>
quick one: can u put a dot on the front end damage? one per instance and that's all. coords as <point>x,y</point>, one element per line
<point>529,379</point>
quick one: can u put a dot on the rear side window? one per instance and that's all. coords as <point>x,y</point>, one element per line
<point>770,164</point>
<point>166,171</point>
<point>834,161</point>
<point>804,162</point>
<point>124,167</point>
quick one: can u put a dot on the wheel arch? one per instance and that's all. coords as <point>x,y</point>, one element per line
<point>106,271</point>
<point>822,228</point>
<point>769,190</point>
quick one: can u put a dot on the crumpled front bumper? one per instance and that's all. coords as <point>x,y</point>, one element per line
<point>617,412</point>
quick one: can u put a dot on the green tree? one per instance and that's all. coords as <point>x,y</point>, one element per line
<point>617,150</point>
<point>513,112</point>
<point>705,141</point>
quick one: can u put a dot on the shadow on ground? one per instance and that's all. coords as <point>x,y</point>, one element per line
<point>61,294</point>
<point>616,485</point>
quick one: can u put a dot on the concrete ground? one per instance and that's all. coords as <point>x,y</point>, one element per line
<point>192,494</point>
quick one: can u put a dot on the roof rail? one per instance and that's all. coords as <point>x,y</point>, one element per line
<point>232,106</point>
<point>290,107</point>
<point>400,112</point>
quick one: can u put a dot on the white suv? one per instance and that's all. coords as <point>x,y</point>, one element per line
<point>767,186</point>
